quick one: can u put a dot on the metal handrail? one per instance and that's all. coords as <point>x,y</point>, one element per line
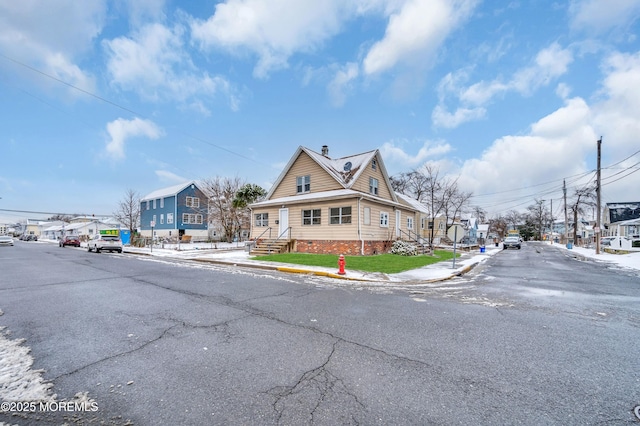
<point>288,229</point>
<point>415,239</point>
<point>268,229</point>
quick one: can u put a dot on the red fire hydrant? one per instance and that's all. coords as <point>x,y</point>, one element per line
<point>341,265</point>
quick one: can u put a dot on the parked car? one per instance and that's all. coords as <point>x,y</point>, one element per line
<point>105,242</point>
<point>606,241</point>
<point>511,242</point>
<point>69,240</point>
<point>31,237</point>
<point>6,240</point>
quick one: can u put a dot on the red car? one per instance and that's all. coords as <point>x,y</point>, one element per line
<point>69,240</point>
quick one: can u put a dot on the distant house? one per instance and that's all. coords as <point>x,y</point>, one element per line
<point>342,205</point>
<point>175,211</point>
<point>622,219</point>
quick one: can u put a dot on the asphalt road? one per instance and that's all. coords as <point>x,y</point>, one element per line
<point>531,337</point>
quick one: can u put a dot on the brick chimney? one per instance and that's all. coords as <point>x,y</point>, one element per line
<point>325,150</point>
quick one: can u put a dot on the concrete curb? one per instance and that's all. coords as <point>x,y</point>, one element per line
<point>300,270</point>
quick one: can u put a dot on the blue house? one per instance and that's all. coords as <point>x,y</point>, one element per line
<point>175,211</point>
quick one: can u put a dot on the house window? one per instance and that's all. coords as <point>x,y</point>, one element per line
<point>193,202</point>
<point>384,219</point>
<point>262,219</point>
<point>154,218</point>
<point>148,204</point>
<point>422,221</point>
<point>161,219</point>
<point>154,204</point>
<point>409,223</point>
<point>303,184</point>
<point>311,217</point>
<point>374,164</point>
<point>340,215</point>
<point>366,212</point>
<point>162,203</point>
<point>169,218</point>
<point>373,186</point>
<point>191,219</point>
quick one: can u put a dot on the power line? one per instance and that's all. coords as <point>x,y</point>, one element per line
<point>116,105</point>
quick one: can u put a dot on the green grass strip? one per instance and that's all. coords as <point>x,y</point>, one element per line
<point>385,263</point>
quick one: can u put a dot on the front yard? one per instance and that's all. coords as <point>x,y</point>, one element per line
<point>384,263</point>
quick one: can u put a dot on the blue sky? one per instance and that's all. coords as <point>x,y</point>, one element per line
<point>509,98</point>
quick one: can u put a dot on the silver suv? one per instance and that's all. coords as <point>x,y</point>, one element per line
<point>105,242</point>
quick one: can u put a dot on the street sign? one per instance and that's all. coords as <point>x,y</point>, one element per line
<point>153,223</point>
<point>455,233</point>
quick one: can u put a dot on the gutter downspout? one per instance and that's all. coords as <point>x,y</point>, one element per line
<point>360,229</point>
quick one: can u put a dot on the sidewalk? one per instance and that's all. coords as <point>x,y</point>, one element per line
<point>232,255</point>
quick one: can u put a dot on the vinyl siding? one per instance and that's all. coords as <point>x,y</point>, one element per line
<point>303,166</point>
<point>362,184</point>
<point>327,231</point>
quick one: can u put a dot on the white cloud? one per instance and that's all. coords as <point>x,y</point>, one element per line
<point>559,145</point>
<point>415,32</point>
<point>393,153</point>
<point>598,16</point>
<point>166,176</point>
<point>51,38</point>
<point>549,64</point>
<point>121,130</point>
<point>443,118</point>
<point>342,83</point>
<point>154,63</point>
<point>273,30</point>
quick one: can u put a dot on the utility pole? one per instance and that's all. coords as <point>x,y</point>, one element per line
<point>566,220</point>
<point>599,195</point>
<point>551,225</point>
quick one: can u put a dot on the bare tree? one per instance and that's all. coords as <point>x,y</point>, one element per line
<point>582,197</point>
<point>479,213</point>
<point>439,194</point>
<point>498,225</point>
<point>221,193</point>
<point>513,219</point>
<point>128,212</point>
<point>538,216</point>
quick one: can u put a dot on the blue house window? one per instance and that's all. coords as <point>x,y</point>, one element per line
<point>169,218</point>
<point>162,203</point>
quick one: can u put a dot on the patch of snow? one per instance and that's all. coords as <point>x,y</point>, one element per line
<point>18,382</point>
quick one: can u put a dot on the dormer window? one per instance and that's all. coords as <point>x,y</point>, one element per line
<point>303,184</point>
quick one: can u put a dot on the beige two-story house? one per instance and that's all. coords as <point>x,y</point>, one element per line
<point>345,205</point>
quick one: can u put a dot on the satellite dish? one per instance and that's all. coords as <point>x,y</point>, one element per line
<point>347,166</point>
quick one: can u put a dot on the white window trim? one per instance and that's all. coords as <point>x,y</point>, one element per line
<point>384,219</point>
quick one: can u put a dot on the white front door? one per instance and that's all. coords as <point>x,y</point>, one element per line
<point>283,223</point>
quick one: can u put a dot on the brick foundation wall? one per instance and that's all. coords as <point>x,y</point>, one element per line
<point>348,248</point>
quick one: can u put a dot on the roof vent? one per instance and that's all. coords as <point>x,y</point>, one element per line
<point>325,150</point>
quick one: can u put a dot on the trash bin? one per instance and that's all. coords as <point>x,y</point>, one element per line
<point>482,249</point>
<point>570,244</point>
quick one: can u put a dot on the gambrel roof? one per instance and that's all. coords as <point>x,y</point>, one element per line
<point>345,170</point>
